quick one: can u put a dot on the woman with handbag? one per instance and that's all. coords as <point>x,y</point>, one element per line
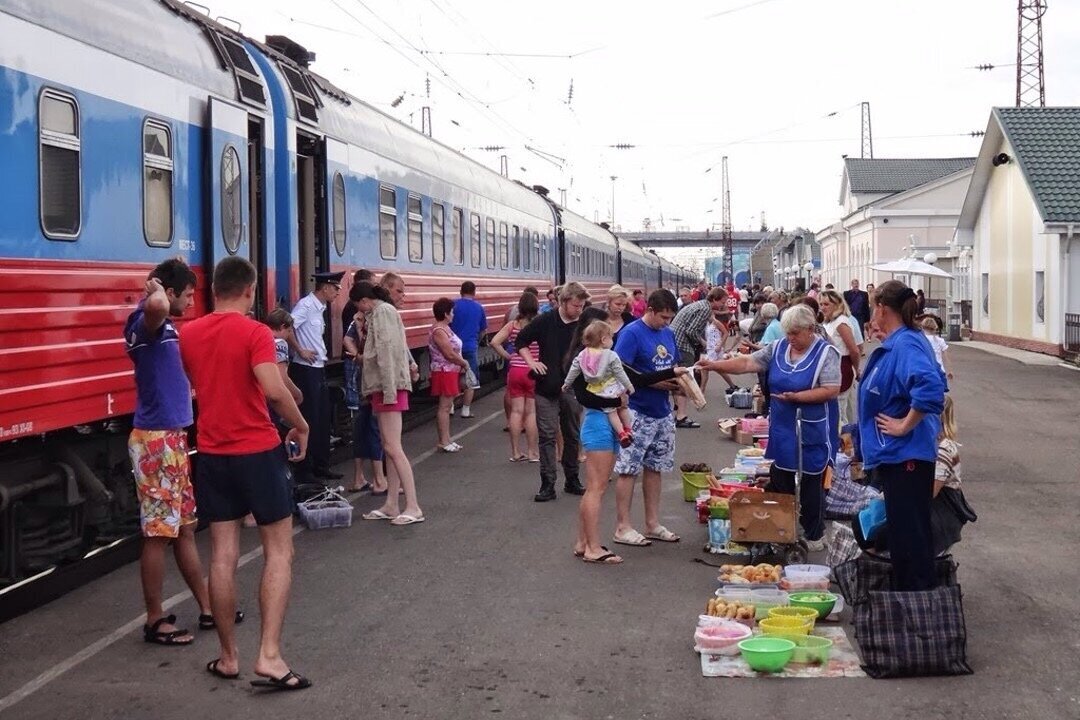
<point>837,324</point>
<point>901,397</point>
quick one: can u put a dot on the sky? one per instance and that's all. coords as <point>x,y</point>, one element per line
<point>775,85</point>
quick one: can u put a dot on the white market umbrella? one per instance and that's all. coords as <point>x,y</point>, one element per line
<point>911,266</point>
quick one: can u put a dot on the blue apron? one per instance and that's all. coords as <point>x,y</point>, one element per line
<point>818,422</point>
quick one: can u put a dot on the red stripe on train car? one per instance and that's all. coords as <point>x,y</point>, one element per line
<point>62,358</point>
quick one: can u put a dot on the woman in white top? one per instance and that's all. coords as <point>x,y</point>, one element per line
<point>835,312</point>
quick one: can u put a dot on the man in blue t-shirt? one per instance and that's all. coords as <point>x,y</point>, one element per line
<point>469,324</point>
<point>648,345</point>
<point>158,447</point>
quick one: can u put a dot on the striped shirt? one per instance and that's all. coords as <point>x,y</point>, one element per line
<point>515,359</point>
<point>309,323</point>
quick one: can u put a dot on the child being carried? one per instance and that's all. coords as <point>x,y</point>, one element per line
<point>604,376</point>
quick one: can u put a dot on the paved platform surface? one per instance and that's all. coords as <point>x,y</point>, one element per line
<point>1021,356</point>
<point>482,612</point>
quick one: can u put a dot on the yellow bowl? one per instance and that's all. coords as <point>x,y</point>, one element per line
<point>785,626</point>
<point>803,613</point>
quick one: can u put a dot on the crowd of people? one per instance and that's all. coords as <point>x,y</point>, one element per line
<point>588,384</point>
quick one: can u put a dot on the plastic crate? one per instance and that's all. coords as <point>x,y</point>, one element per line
<point>326,510</point>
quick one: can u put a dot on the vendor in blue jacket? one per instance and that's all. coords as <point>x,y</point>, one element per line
<point>901,397</point>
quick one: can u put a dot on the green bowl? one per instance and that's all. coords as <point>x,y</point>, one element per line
<point>722,513</point>
<point>767,654</point>
<point>823,607</point>
<point>809,649</point>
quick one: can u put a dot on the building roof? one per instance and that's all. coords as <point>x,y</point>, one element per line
<point>892,175</point>
<point>1047,146</point>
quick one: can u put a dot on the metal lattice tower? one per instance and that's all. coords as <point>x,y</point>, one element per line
<point>1030,83</point>
<point>726,241</point>
<point>867,133</point>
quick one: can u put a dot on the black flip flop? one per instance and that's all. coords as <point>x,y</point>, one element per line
<point>206,622</point>
<point>212,668</point>
<point>151,634</point>
<point>282,683</point>
<point>603,559</point>
<point>582,553</point>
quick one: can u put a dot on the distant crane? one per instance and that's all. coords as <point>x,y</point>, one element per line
<point>1030,81</point>
<point>867,133</point>
<point>727,243</point>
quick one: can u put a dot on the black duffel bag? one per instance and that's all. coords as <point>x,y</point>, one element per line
<point>911,633</point>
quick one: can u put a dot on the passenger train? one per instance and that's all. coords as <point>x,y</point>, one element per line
<point>132,131</point>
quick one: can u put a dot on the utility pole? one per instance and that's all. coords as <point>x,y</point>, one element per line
<point>1030,82</point>
<point>425,120</point>
<point>613,179</point>
<point>867,133</point>
<point>726,241</point>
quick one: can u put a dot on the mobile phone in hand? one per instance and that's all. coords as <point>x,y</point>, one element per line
<point>293,448</point>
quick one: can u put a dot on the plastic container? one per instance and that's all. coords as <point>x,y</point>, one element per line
<point>735,475</point>
<point>692,484</point>
<point>801,573</point>
<point>734,593</point>
<point>785,626</point>
<point>763,443</point>
<point>804,613</point>
<point>809,649</point>
<point>721,638</point>
<point>719,532</point>
<point>326,510</point>
<point>766,599</point>
<point>824,606</point>
<point>821,584</point>
<point>767,654</point>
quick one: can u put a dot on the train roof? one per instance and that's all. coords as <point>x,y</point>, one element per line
<point>137,30</point>
<point>572,222</point>
<point>629,247</point>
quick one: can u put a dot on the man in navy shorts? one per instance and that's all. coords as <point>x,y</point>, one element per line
<point>241,467</point>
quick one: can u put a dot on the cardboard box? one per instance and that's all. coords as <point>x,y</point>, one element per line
<point>727,427</point>
<point>763,517</point>
<point>744,438</point>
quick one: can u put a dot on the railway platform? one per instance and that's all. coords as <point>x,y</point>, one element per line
<point>483,612</point>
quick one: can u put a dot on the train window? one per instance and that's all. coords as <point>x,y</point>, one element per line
<point>387,222</point>
<point>60,190</point>
<point>438,241</point>
<point>490,242</point>
<point>157,183</point>
<point>340,228</point>
<point>232,219</point>
<point>456,234</point>
<point>536,252</point>
<point>248,82</point>
<point>504,246</point>
<point>526,250</point>
<point>476,249</point>
<point>416,230</point>
<point>304,96</point>
<point>515,247</point>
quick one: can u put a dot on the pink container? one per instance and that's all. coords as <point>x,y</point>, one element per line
<point>763,443</point>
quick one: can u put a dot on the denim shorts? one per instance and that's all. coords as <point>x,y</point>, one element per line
<point>653,448</point>
<point>474,363</point>
<point>597,433</point>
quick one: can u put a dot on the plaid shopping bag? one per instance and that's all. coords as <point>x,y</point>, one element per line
<point>868,573</point>
<point>842,545</point>
<point>903,634</point>
<point>847,497</point>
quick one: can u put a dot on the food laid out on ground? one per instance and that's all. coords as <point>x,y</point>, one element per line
<point>750,574</point>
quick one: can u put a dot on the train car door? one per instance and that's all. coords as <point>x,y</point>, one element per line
<point>257,213</point>
<point>229,183</point>
<point>311,208</point>
<point>335,211</point>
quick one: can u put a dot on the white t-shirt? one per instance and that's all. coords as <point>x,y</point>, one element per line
<point>939,345</point>
<point>832,328</point>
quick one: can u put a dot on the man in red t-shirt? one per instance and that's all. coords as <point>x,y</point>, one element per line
<point>230,360</point>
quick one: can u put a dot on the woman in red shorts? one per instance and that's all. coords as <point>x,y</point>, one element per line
<point>386,382</point>
<point>520,388</point>
<point>447,364</point>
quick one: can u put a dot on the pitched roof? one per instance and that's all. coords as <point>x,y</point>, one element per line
<point>892,175</point>
<point>1047,146</point>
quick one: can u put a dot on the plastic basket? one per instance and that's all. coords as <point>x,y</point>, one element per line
<point>326,510</point>
<point>692,484</point>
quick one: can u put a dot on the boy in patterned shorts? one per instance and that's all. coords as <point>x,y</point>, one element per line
<point>158,448</point>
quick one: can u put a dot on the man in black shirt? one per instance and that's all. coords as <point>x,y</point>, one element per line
<point>553,332</point>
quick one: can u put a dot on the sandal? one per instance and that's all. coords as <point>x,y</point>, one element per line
<point>283,682</point>
<point>152,634</point>
<point>633,538</point>
<point>212,668</point>
<point>206,621</point>
<point>608,558</point>
<point>686,423</point>
<point>519,458</point>
<point>450,448</point>
<point>662,534</point>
